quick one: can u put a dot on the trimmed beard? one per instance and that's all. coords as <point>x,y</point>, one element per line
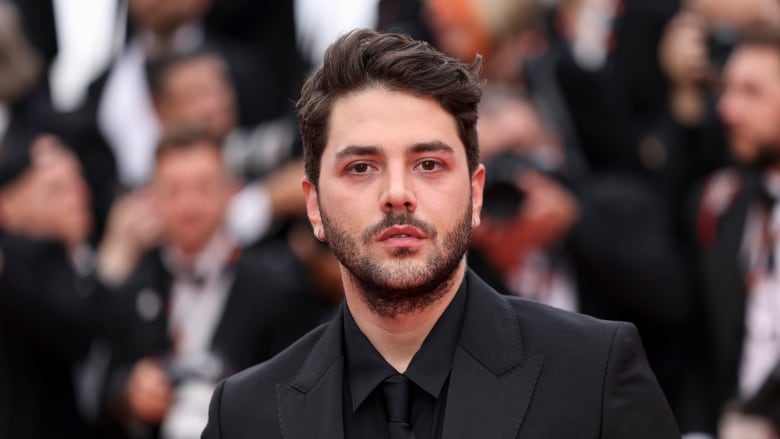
<point>396,286</point>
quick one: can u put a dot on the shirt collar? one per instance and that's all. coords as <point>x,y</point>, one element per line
<point>430,366</point>
<point>209,261</point>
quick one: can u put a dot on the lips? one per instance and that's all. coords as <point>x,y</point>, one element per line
<point>396,232</point>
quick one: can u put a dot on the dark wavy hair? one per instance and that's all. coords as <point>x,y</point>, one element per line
<point>363,59</point>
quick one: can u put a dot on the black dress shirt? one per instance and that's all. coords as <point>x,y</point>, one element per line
<point>429,372</point>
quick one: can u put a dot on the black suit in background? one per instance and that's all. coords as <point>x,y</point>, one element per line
<point>45,328</point>
<point>268,29</point>
<point>264,313</point>
<point>520,370</point>
<point>721,296</point>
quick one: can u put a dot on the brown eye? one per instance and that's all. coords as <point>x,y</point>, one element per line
<point>429,165</point>
<point>360,168</point>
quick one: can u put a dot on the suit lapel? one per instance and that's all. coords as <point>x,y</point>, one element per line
<point>491,383</point>
<point>311,405</point>
<point>490,388</point>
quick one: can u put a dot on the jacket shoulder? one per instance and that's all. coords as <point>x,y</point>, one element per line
<point>246,402</point>
<point>256,386</point>
<point>556,333</point>
<point>282,367</point>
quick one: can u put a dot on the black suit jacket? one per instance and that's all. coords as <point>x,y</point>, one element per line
<point>719,328</point>
<point>45,328</point>
<point>520,370</point>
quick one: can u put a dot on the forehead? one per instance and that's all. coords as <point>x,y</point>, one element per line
<point>190,160</point>
<point>201,67</point>
<point>389,120</point>
<point>742,13</point>
<point>756,63</point>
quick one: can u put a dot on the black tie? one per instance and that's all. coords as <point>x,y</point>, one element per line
<point>396,390</point>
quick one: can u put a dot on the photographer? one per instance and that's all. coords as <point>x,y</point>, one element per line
<point>696,44</point>
<point>46,319</point>
<point>600,245</point>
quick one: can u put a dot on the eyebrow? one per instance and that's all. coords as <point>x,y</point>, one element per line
<point>417,148</point>
<point>435,146</point>
<point>357,150</point>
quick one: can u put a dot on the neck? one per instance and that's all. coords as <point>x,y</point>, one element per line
<point>187,254</point>
<point>398,338</point>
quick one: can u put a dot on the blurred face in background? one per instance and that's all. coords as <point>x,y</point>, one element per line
<point>49,200</point>
<point>458,28</point>
<point>198,92</point>
<point>750,104</point>
<point>192,191</point>
<point>165,16</point>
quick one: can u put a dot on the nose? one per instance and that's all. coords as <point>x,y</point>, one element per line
<point>398,195</point>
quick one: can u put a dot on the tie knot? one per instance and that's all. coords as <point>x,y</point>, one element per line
<point>396,390</point>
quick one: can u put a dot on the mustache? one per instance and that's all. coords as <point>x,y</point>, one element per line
<point>399,219</point>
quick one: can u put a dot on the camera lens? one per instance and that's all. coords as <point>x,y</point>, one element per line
<point>502,200</point>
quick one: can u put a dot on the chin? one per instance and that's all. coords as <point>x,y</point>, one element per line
<point>190,245</point>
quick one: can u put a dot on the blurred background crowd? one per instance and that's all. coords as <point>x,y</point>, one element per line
<point>152,229</point>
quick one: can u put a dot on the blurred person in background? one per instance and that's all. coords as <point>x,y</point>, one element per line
<point>269,29</point>
<point>186,305</point>
<point>735,221</point>
<point>616,90</point>
<point>120,99</point>
<point>195,89</point>
<point>505,32</point>
<point>46,315</point>
<point>688,134</point>
<point>563,241</point>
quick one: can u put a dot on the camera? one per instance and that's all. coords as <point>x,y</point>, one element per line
<point>502,197</point>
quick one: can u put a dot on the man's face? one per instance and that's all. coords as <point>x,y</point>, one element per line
<point>193,191</point>
<point>395,198</point>
<point>750,104</point>
<point>198,92</point>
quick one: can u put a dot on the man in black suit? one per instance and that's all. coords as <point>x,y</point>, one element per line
<point>422,347</point>
<point>45,310</point>
<point>737,230</point>
<point>192,309</point>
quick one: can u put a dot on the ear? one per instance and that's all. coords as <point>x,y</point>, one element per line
<point>313,208</point>
<point>477,186</point>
